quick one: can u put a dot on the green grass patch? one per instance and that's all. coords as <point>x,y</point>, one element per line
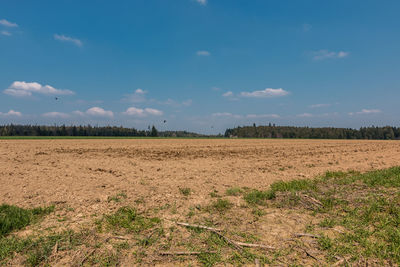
<point>37,249</point>
<point>129,219</point>
<point>221,205</point>
<point>185,191</point>
<point>234,191</point>
<point>259,197</point>
<point>15,218</point>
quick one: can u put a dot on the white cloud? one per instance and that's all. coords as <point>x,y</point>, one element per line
<point>227,94</point>
<point>326,54</point>
<point>99,112</point>
<point>136,97</point>
<point>176,104</point>
<point>227,114</point>
<point>55,114</point>
<point>187,103</point>
<point>138,112</point>
<point>203,53</point>
<point>307,27</point>
<point>260,116</point>
<point>18,89</point>
<point>320,105</point>
<point>64,38</point>
<point>268,92</point>
<point>215,88</point>
<point>7,23</point>
<point>6,33</point>
<point>152,111</point>
<point>305,115</point>
<point>202,2</point>
<point>11,113</point>
<point>366,111</point>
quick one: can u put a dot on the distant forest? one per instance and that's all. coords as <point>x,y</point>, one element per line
<point>87,130</point>
<point>272,131</point>
<point>269,131</point>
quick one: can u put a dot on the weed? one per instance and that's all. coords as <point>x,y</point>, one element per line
<point>14,218</point>
<point>234,191</point>
<point>117,198</point>
<point>259,197</point>
<point>221,205</point>
<point>185,191</point>
<point>128,218</point>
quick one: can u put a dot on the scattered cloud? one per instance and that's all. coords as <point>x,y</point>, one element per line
<point>20,89</point>
<point>268,92</point>
<point>6,33</point>
<point>11,113</point>
<point>139,112</point>
<point>153,111</point>
<point>320,105</point>
<point>228,94</point>
<point>55,114</point>
<point>176,104</point>
<point>227,114</point>
<point>305,115</point>
<point>187,103</point>
<point>64,38</point>
<point>203,53</point>
<point>202,2</point>
<point>307,27</point>
<point>138,96</point>
<point>215,88</point>
<point>365,112</point>
<point>99,112</point>
<point>260,116</point>
<point>7,23</point>
<point>326,54</point>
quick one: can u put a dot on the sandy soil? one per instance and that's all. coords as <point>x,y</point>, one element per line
<point>83,174</point>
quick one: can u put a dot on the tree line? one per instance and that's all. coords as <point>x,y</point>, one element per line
<point>272,131</point>
<point>88,130</point>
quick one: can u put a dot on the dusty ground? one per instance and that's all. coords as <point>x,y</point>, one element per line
<point>81,176</point>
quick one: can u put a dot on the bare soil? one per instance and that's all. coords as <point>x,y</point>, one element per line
<point>81,177</point>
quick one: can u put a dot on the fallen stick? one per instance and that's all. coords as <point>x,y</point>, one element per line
<point>250,245</point>
<point>177,253</point>
<point>257,262</point>
<point>237,245</point>
<point>215,231</point>
<point>116,237</point>
<point>305,234</point>
<point>199,226</point>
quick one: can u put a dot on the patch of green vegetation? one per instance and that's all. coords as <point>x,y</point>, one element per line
<point>185,191</point>
<point>117,198</point>
<point>294,185</point>
<point>214,194</point>
<point>234,191</point>
<point>221,205</point>
<point>259,197</point>
<point>37,249</point>
<point>128,218</point>
<point>15,218</point>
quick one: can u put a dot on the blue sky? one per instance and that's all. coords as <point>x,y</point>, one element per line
<point>201,65</point>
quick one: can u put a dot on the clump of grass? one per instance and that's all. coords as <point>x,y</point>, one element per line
<point>214,194</point>
<point>259,197</point>
<point>117,198</point>
<point>185,191</point>
<point>15,218</point>
<point>221,205</point>
<point>37,249</point>
<point>128,218</point>
<point>294,185</point>
<point>234,191</point>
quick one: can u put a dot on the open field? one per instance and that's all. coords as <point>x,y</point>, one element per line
<point>117,201</point>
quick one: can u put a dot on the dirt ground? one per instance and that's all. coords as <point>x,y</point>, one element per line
<point>84,174</point>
